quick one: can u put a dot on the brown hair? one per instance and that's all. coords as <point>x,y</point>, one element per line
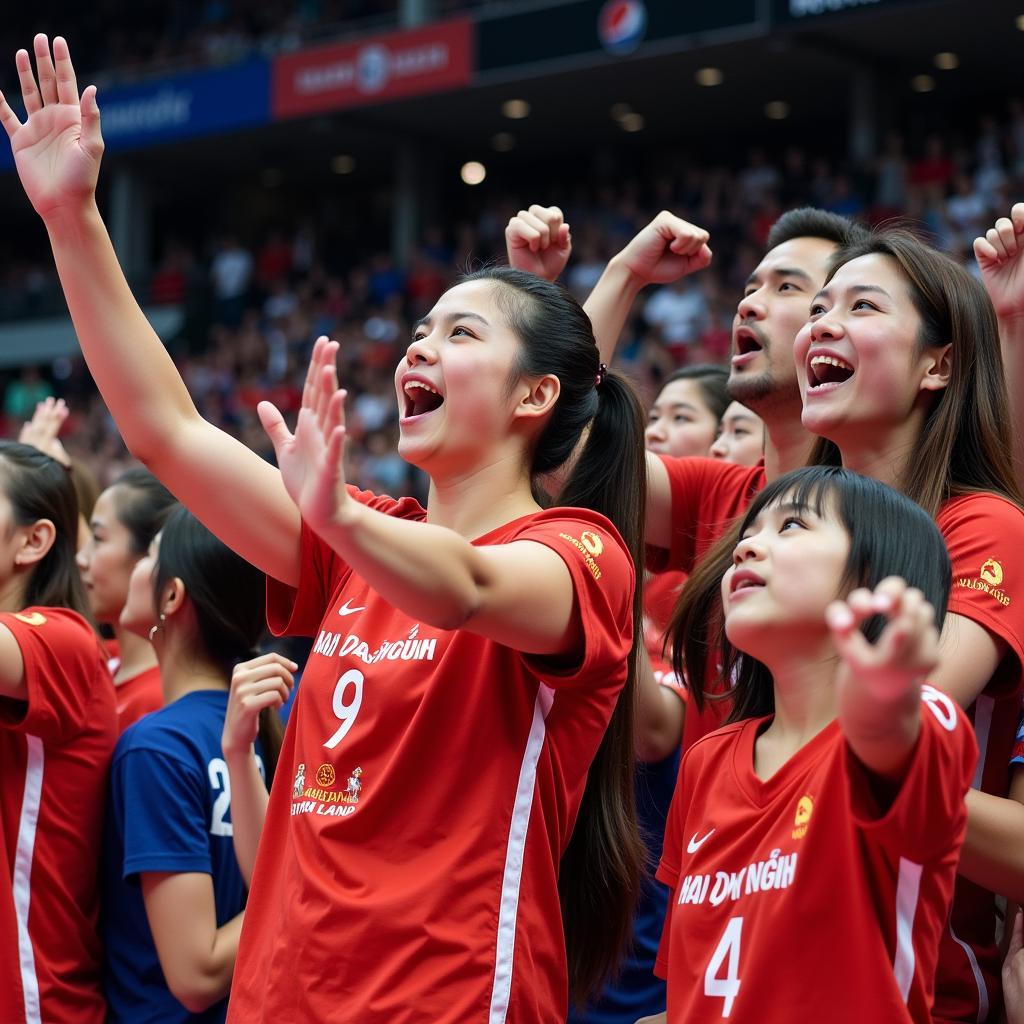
<point>965,444</point>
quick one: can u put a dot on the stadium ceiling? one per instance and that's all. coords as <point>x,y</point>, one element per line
<point>817,67</point>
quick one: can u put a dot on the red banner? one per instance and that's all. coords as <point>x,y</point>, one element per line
<point>422,60</point>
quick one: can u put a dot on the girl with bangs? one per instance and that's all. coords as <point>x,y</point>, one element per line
<point>811,846</point>
<point>451,834</point>
<point>901,377</point>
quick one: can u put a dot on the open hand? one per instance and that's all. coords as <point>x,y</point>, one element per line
<point>892,669</point>
<point>310,460</point>
<point>1000,255</point>
<point>667,249</point>
<point>263,682</point>
<point>538,241</point>
<point>57,150</point>
<point>41,431</point>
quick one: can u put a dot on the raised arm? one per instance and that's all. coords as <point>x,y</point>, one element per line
<point>667,249</point>
<point>879,686</point>
<point>538,241</point>
<point>231,489</point>
<point>257,686</point>
<point>1000,255</point>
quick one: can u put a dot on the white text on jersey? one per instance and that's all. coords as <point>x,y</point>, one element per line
<point>411,648</point>
<point>777,872</point>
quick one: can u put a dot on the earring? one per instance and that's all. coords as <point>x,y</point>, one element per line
<point>156,629</point>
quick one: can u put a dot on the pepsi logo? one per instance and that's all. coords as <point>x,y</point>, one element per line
<point>621,25</point>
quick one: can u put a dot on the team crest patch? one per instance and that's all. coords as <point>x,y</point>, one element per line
<point>300,781</point>
<point>31,618</point>
<point>989,580</point>
<point>804,810</point>
<point>325,776</point>
<point>590,547</point>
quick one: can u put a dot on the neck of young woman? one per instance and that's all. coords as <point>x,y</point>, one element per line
<point>804,680</point>
<point>474,502</point>
<point>882,454</point>
<point>136,653</point>
<point>185,668</point>
<point>12,593</point>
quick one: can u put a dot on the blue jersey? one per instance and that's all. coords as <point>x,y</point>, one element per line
<point>636,992</point>
<point>169,810</point>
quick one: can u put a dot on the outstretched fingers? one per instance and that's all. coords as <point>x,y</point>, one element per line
<point>29,91</point>
<point>8,118</point>
<point>274,426</point>
<point>45,70</point>
<point>67,84</point>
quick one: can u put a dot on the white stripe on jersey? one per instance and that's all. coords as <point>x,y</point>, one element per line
<point>22,880</point>
<point>509,905</point>
<point>907,889</point>
<point>978,978</point>
<point>983,708</point>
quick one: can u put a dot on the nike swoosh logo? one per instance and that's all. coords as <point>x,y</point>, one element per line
<point>31,618</point>
<point>695,844</point>
<point>346,610</point>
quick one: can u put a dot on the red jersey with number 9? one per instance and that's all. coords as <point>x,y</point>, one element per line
<point>427,788</point>
<point>797,897</point>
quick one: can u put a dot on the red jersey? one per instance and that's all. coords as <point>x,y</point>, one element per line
<point>798,897</point>
<point>985,537</point>
<point>138,696</point>
<point>708,495</point>
<point>427,788</point>
<point>54,752</point>
<point>661,591</point>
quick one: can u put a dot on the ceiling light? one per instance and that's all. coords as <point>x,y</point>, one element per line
<point>515,110</point>
<point>946,61</point>
<point>632,122</point>
<point>620,110</point>
<point>343,164</point>
<point>922,83</point>
<point>1020,22</point>
<point>709,76</point>
<point>473,172</point>
<point>777,110</point>
<point>503,142</point>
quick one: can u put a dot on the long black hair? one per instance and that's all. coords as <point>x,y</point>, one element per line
<point>142,505</point>
<point>889,536</point>
<point>594,436</point>
<point>39,487</point>
<point>226,593</point>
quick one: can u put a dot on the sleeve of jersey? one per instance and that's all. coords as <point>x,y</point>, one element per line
<point>299,611</point>
<point>62,671</point>
<point>668,864</point>
<point>163,807</point>
<point>603,581</point>
<point>706,495</point>
<point>1017,755</point>
<point>928,815</point>
<point>985,538</point>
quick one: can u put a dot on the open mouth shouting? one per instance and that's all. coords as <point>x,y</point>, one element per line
<point>748,343</point>
<point>421,397</point>
<point>744,581</point>
<point>826,372</point>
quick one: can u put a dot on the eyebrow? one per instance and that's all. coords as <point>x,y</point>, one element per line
<point>450,318</point>
<point>858,289</point>
<point>677,405</point>
<point>780,272</point>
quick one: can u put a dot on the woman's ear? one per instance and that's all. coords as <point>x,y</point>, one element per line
<point>938,368</point>
<point>36,541</point>
<point>537,398</point>
<point>172,597</point>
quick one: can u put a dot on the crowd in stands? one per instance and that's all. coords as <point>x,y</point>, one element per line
<point>252,307</point>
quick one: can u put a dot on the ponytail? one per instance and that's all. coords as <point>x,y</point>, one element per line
<point>599,882</point>
<point>604,861</point>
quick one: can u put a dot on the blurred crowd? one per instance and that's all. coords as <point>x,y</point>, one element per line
<point>252,307</point>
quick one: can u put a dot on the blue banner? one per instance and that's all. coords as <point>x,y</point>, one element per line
<point>181,107</point>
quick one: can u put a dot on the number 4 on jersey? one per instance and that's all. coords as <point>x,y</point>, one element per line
<point>726,988</point>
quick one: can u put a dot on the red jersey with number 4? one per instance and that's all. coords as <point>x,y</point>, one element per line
<point>426,791</point>
<point>985,537</point>
<point>55,749</point>
<point>797,898</point>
